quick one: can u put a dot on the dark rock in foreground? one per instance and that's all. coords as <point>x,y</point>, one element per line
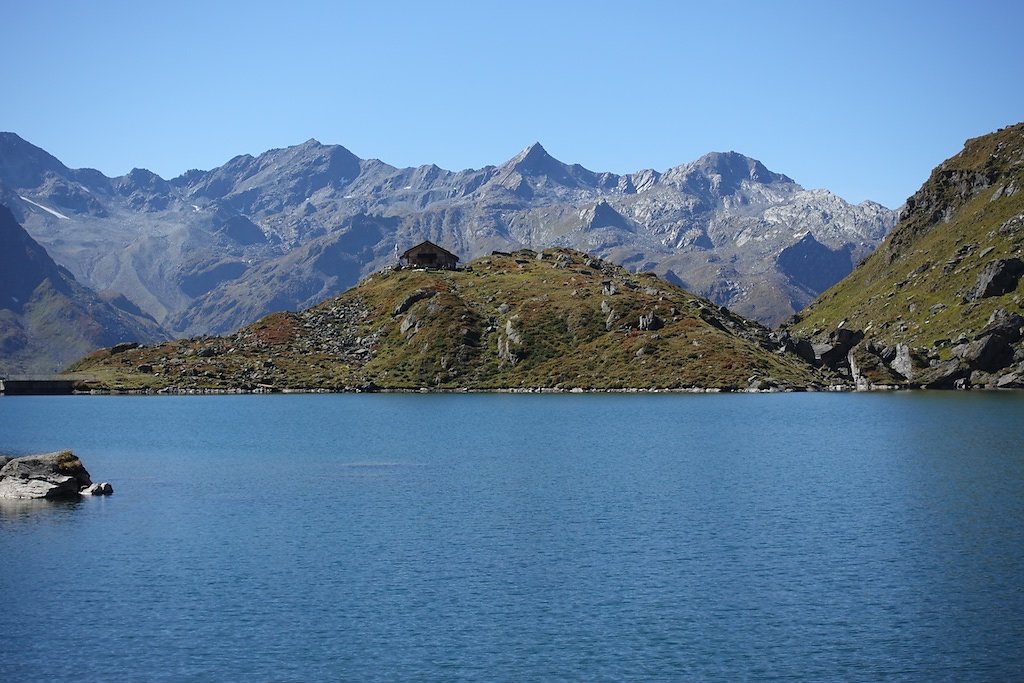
<point>999,277</point>
<point>48,476</point>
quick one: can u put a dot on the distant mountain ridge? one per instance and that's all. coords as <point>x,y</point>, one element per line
<point>209,251</point>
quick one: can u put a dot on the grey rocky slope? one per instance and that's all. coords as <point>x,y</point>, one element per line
<point>211,250</point>
<point>47,318</point>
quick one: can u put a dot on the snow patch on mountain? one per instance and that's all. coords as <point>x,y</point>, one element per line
<point>48,210</point>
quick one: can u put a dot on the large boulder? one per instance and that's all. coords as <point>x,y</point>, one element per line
<point>902,361</point>
<point>650,322</point>
<point>1007,325</point>
<point>103,488</point>
<point>998,277</point>
<point>944,375</point>
<point>835,352</point>
<point>1011,380</point>
<point>869,371</point>
<point>51,475</point>
<point>990,353</point>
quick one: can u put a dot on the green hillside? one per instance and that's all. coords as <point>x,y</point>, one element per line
<point>942,292</point>
<point>557,319</point>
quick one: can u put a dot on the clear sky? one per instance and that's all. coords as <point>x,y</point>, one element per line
<point>862,98</point>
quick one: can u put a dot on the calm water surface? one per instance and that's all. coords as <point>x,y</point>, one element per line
<point>509,537</point>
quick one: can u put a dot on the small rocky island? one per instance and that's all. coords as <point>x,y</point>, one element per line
<point>50,476</point>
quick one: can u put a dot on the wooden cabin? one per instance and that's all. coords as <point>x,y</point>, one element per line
<point>429,255</point>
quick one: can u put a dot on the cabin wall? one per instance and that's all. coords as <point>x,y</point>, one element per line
<point>430,258</point>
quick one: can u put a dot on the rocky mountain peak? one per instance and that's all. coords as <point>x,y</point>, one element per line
<point>534,160</point>
<point>310,152</point>
<point>22,164</point>
<point>733,168</point>
<point>602,215</point>
<point>290,174</point>
<point>535,170</point>
<point>145,190</point>
<point>138,178</point>
<point>721,174</point>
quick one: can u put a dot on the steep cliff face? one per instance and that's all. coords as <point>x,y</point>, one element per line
<point>940,302</point>
<point>212,250</point>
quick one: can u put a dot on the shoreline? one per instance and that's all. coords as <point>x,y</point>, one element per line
<point>70,389</point>
<point>833,389</point>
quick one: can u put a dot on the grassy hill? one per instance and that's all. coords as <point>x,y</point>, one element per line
<point>557,319</point>
<point>944,281</point>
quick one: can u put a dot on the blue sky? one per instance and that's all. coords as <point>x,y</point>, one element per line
<point>861,98</point>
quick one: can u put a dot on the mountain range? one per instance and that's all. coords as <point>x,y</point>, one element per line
<point>937,305</point>
<point>209,251</point>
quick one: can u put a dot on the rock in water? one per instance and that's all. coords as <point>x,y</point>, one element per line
<point>51,475</point>
<point>101,489</point>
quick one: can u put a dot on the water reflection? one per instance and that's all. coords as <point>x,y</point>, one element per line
<point>20,510</point>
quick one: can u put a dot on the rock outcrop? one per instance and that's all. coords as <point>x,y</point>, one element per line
<point>993,358</point>
<point>940,304</point>
<point>102,488</point>
<point>48,476</point>
<point>998,277</point>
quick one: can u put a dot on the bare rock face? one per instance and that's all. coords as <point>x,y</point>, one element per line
<point>998,278</point>
<point>989,353</point>
<point>949,374</point>
<point>840,341</point>
<point>50,476</point>
<point>1006,325</point>
<point>903,361</point>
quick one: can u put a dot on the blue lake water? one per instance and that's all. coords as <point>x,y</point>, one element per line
<point>521,537</point>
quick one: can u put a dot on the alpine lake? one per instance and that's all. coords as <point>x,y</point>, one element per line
<point>504,537</point>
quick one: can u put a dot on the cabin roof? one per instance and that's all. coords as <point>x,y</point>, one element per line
<point>428,243</point>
